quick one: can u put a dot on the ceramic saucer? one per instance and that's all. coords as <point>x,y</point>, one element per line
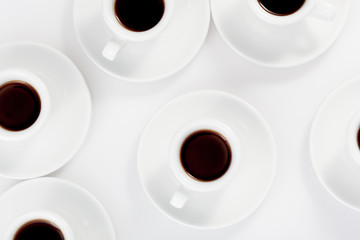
<point>274,46</point>
<point>327,143</point>
<point>153,60</point>
<point>87,217</point>
<point>238,199</point>
<point>66,126</point>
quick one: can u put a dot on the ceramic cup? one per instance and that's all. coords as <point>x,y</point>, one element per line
<point>352,144</point>
<point>311,8</point>
<point>188,184</point>
<point>47,216</point>
<point>122,36</point>
<point>23,75</point>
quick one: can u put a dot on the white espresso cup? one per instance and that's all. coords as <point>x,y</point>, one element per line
<point>189,184</point>
<point>122,35</point>
<point>352,149</point>
<point>44,216</point>
<point>25,76</point>
<point>311,8</point>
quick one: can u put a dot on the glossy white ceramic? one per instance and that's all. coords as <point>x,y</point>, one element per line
<point>273,45</point>
<point>49,216</point>
<point>23,75</point>
<point>65,128</point>
<point>331,147</point>
<point>320,9</point>
<point>121,36</point>
<point>190,185</point>
<point>244,194</point>
<point>152,60</point>
<point>84,215</point>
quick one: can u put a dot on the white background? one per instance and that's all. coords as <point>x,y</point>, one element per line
<point>297,207</point>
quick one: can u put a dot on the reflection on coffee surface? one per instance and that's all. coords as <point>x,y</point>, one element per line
<point>20,105</point>
<point>39,230</point>
<point>139,15</point>
<point>205,155</point>
<point>281,7</point>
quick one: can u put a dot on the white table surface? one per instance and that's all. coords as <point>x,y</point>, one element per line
<point>297,207</point>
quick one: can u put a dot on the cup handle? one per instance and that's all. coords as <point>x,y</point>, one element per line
<point>111,49</point>
<point>180,197</point>
<point>324,11</point>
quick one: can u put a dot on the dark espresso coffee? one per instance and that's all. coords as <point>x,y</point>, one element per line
<point>139,15</point>
<point>358,138</point>
<point>39,230</point>
<point>205,155</point>
<point>20,105</point>
<point>281,7</point>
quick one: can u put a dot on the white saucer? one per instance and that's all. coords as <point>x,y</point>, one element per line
<point>66,126</point>
<point>273,46</point>
<point>244,194</point>
<point>153,60</point>
<point>327,144</point>
<point>85,214</point>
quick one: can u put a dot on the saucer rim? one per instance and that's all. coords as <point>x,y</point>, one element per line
<point>272,143</point>
<point>64,58</point>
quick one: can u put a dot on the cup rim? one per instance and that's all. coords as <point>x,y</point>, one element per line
<point>45,215</point>
<point>352,138</point>
<point>122,33</point>
<point>177,169</point>
<point>29,77</point>
<point>292,18</point>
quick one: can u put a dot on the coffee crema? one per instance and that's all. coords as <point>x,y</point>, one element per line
<point>20,105</point>
<point>139,15</point>
<point>39,230</point>
<point>205,155</point>
<point>281,7</point>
